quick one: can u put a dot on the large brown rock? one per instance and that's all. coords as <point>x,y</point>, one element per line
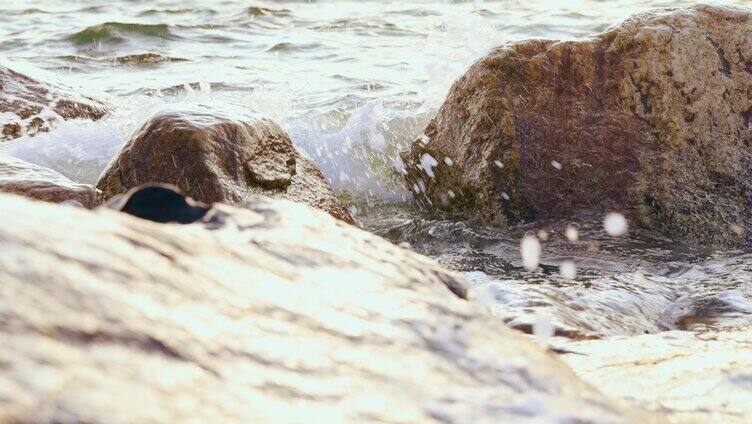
<point>274,313</point>
<point>30,100</point>
<point>650,117</point>
<point>219,155</point>
<point>37,182</point>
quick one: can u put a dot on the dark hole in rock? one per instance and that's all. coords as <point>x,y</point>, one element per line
<point>161,203</point>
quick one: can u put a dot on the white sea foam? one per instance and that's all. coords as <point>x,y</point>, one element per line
<point>78,149</point>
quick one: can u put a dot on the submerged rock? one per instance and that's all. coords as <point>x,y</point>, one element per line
<point>650,117</point>
<point>276,312</point>
<point>37,182</point>
<point>219,156</point>
<point>31,99</point>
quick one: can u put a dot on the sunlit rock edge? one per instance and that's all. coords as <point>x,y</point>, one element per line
<point>36,182</point>
<point>693,377</point>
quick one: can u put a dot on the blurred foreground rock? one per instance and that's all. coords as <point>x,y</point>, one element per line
<point>273,313</point>
<point>650,117</point>
<point>218,155</point>
<point>31,99</point>
<point>693,377</point>
<point>37,182</point>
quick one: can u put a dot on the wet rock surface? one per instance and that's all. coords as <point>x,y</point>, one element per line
<point>30,100</point>
<point>37,182</point>
<point>218,155</point>
<point>273,312</point>
<point>649,117</point>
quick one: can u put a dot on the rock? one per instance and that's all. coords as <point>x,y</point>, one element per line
<point>37,182</point>
<point>650,117</point>
<point>276,312</point>
<point>30,100</point>
<point>694,377</point>
<point>217,155</point>
<point>717,308</point>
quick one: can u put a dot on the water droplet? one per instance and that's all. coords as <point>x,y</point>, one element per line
<point>427,162</point>
<point>568,270</point>
<point>543,235</point>
<point>543,328</point>
<point>556,165</point>
<point>498,163</point>
<point>448,161</point>
<point>572,233</point>
<point>505,196</point>
<point>399,166</point>
<point>615,224</point>
<point>422,186</point>
<point>530,250</point>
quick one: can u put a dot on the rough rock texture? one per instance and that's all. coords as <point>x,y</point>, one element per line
<point>37,182</point>
<point>219,156</point>
<point>693,377</point>
<point>275,313</point>
<point>31,99</point>
<point>651,116</point>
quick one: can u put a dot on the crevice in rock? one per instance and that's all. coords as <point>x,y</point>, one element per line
<point>725,64</point>
<point>160,203</point>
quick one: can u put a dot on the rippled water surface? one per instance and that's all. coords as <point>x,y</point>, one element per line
<point>354,82</point>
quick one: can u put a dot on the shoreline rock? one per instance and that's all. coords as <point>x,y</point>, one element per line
<point>40,183</point>
<point>691,377</point>
<point>650,117</point>
<point>216,155</point>
<point>31,99</point>
<point>273,312</point>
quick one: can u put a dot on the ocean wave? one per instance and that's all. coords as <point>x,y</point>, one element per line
<point>291,47</point>
<point>145,59</point>
<point>176,11</point>
<point>265,11</point>
<point>118,32</point>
